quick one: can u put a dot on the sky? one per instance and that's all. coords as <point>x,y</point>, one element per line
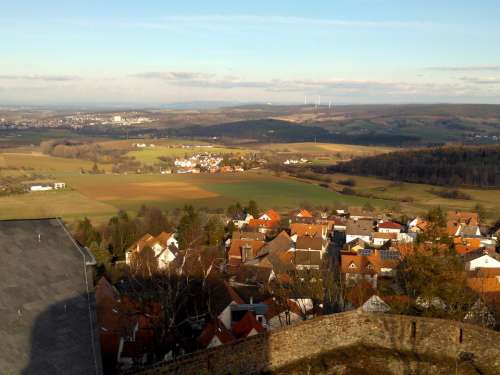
<point>157,52</point>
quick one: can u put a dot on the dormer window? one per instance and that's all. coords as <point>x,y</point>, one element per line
<point>369,267</point>
<point>352,266</point>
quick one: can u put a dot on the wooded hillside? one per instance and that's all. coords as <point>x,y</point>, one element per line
<point>447,166</point>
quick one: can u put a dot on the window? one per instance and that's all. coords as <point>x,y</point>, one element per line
<point>246,253</point>
<point>352,266</point>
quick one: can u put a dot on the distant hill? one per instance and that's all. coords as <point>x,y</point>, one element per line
<point>448,166</point>
<point>276,131</point>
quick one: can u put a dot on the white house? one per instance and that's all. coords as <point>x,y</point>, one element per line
<point>380,238</point>
<point>41,188</point>
<point>483,261</point>
<point>164,245</point>
<point>389,227</point>
<point>375,304</point>
<point>361,229</point>
<point>240,220</point>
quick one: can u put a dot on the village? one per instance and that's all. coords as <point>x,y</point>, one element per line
<point>264,271</point>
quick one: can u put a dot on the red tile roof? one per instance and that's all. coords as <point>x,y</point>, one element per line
<point>243,328</point>
<point>389,225</point>
<point>235,251</point>
<point>304,213</point>
<point>307,229</point>
<point>273,215</point>
<point>215,328</point>
<point>259,223</point>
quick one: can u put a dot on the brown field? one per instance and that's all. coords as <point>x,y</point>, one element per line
<point>145,191</point>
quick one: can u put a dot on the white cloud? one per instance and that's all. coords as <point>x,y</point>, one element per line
<point>40,77</point>
<point>481,80</point>
<point>466,68</point>
<point>331,86</point>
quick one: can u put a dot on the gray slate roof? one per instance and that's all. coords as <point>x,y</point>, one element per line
<point>47,323</point>
<point>359,227</point>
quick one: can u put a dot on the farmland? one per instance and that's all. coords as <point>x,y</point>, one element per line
<point>99,196</point>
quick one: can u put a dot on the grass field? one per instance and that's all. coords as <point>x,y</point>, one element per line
<point>41,163</point>
<point>323,153</point>
<point>324,148</point>
<point>67,204</point>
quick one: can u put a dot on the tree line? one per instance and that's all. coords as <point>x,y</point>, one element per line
<point>477,166</point>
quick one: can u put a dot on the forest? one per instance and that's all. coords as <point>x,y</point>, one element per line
<point>474,166</point>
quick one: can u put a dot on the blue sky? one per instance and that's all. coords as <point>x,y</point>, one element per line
<point>151,52</point>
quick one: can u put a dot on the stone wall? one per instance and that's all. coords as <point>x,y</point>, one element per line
<point>394,344</point>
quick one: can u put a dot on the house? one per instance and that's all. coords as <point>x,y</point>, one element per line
<point>356,245</point>
<point>247,326</point>
<point>357,213</point>
<point>243,250</point>
<point>224,297</point>
<point>369,265</point>
<point>267,222</point>
<point>312,230</point>
<point>283,312</point>
<point>389,227</point>
<point>487,284</point>
<point>381,238</point>
<point>457,219</point>
<point>463,217</point>
<point>165,247</point>
<point>241,219</point>
<point>126,328</point>
<point>479,259</point>
<point>47,299</point>
<point>215,334</point>
<point>418,225</point>
<point>375,304</point>
<point>255,273</point>
<point>466,245</point>
<point>302,216</point>
<point>407,238</point>
<point>240,235</point>
<point>309,252</point>
<point>270,215</point>
<point>277,254</point>
<point>307,260</point>
<point>41,188</point>
<point>303,213</point>
<point>339,223</point>
<point>359,229</point>
<point>59,185</point>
